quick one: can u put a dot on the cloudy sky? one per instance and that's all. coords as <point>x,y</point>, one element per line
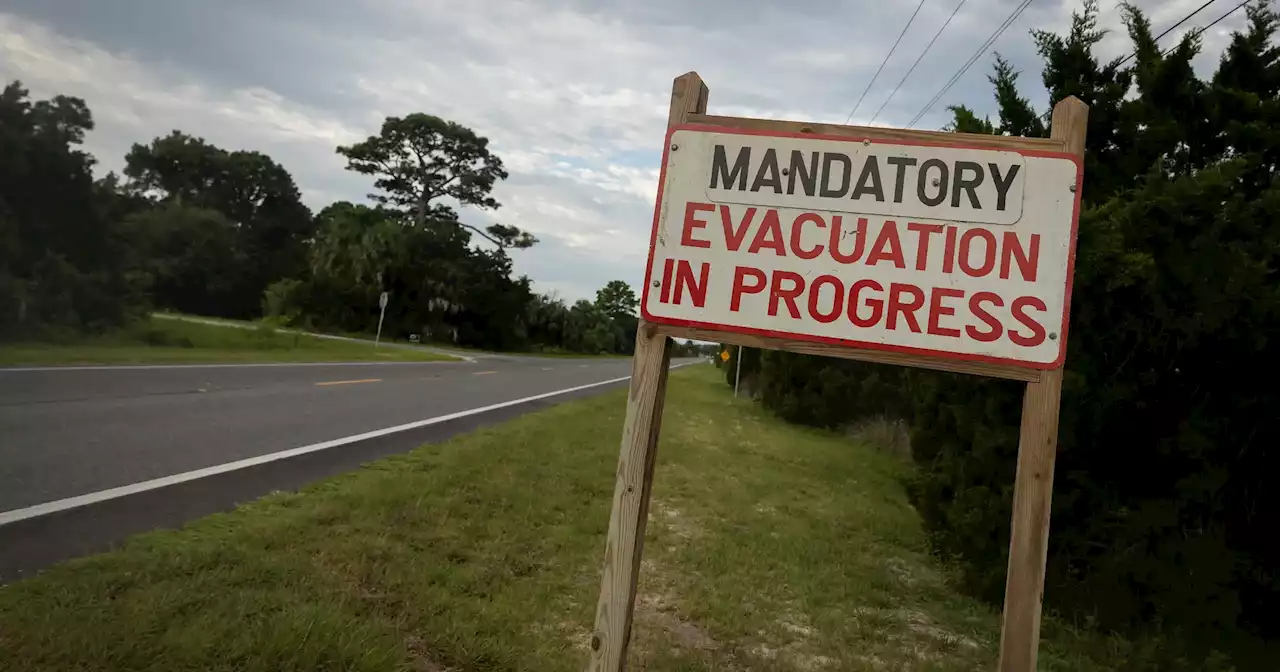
<point>573,93</point>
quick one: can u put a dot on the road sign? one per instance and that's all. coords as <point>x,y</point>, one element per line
<point>724,355</point>
<point>413,338</point>
<point>943,251</point>
<point>382,300</point>
<point>959,252</point>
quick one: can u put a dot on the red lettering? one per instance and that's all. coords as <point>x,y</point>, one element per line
<point>937,310</point>
<point>989,253</point>
<point>899,307</point>
<point>859,241</point>
<point>740,287</point>
<point>922,248</point>
<point>796,227</point>
<point>876,305</point>
<point>1027,261</point>
<point>837,304</point>
<point>691,222</point>
<point>769,235</point>
<point>776,292</point>
<point>949,251</point>
<point>684,279</point>
<point>665,296</point>
<point>1037,331</point>
<point>733,237</point>
<point>975,307</point>
<point>888,238</point>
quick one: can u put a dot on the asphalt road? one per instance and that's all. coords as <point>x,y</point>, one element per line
<point>68,432</point>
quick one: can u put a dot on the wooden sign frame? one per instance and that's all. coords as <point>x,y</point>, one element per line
<point>1037,443</point>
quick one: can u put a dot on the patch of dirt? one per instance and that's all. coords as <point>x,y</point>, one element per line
<point>794,653</point>
<point>809,661</point>
<point>797,629</point>
<point>922,633</point>
<point>788,657</point>
<point>872,662</point>
<point>579,638</point>
<point>658,611</point>
<point>673,519</point>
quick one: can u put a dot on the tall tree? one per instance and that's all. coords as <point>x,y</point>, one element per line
<point>965,120</point>
<point>1017,117</point>
<point>420,158</point>
<point>63,260</point>
<point>270,225</point>
<point>617,300</point>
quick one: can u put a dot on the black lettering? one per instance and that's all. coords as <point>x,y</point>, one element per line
<point>901,162</point>
<point>969,184</point>
<point>720,168</point>
<point>768,175</point>
<point>923,179</point>
<point>827,159</point>
<point>808,177</point>
<point>869,180</point>
<point>1002,183</point>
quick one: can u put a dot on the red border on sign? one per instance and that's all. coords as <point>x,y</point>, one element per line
<point>941,354</point>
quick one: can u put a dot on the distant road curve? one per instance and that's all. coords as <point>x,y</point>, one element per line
<point>468,356</point>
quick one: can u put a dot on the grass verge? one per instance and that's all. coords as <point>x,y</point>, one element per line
<point>770,547</point>
<point>158,340</point>
<point>404,340</point>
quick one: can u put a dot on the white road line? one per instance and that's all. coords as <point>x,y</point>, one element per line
<point>15,515</point>
<point>144,367</point>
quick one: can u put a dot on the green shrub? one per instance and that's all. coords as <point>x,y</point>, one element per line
<point>1167,487</point>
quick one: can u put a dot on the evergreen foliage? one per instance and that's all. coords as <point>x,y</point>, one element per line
<point>1167,493</point>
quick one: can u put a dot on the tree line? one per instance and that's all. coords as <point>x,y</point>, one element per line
<point>1167,489</point>
<point>196,228</point>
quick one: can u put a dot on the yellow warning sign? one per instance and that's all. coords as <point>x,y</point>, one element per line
<point>724,355</point>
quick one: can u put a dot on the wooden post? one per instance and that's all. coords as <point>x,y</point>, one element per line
<point>1033,485</point>
<point>630,510</point>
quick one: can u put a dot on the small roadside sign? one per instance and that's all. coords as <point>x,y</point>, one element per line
<point>413,338</point>
<point>952,251</point>
<point>724,355</point>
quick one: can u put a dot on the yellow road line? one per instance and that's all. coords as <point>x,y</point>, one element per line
<point>483,373</point>
<point>349,382</point>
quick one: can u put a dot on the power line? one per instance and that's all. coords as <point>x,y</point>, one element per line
<point>1199,31</point>
<point>1170,29</point>
<point>1013,16</point>
<point>882,63</point>
<point>918,59</point>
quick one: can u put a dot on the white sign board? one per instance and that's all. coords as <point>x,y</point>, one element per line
<point>957,252</point>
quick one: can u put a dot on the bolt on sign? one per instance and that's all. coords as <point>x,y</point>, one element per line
<point>950,251</point>
<point>944,251</point>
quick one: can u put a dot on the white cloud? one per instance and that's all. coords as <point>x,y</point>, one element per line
<point>572,93</point>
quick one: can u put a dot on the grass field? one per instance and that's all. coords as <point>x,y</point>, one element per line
<point>158,340</point>
<point>402,340</point>
<point>769,548</point>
